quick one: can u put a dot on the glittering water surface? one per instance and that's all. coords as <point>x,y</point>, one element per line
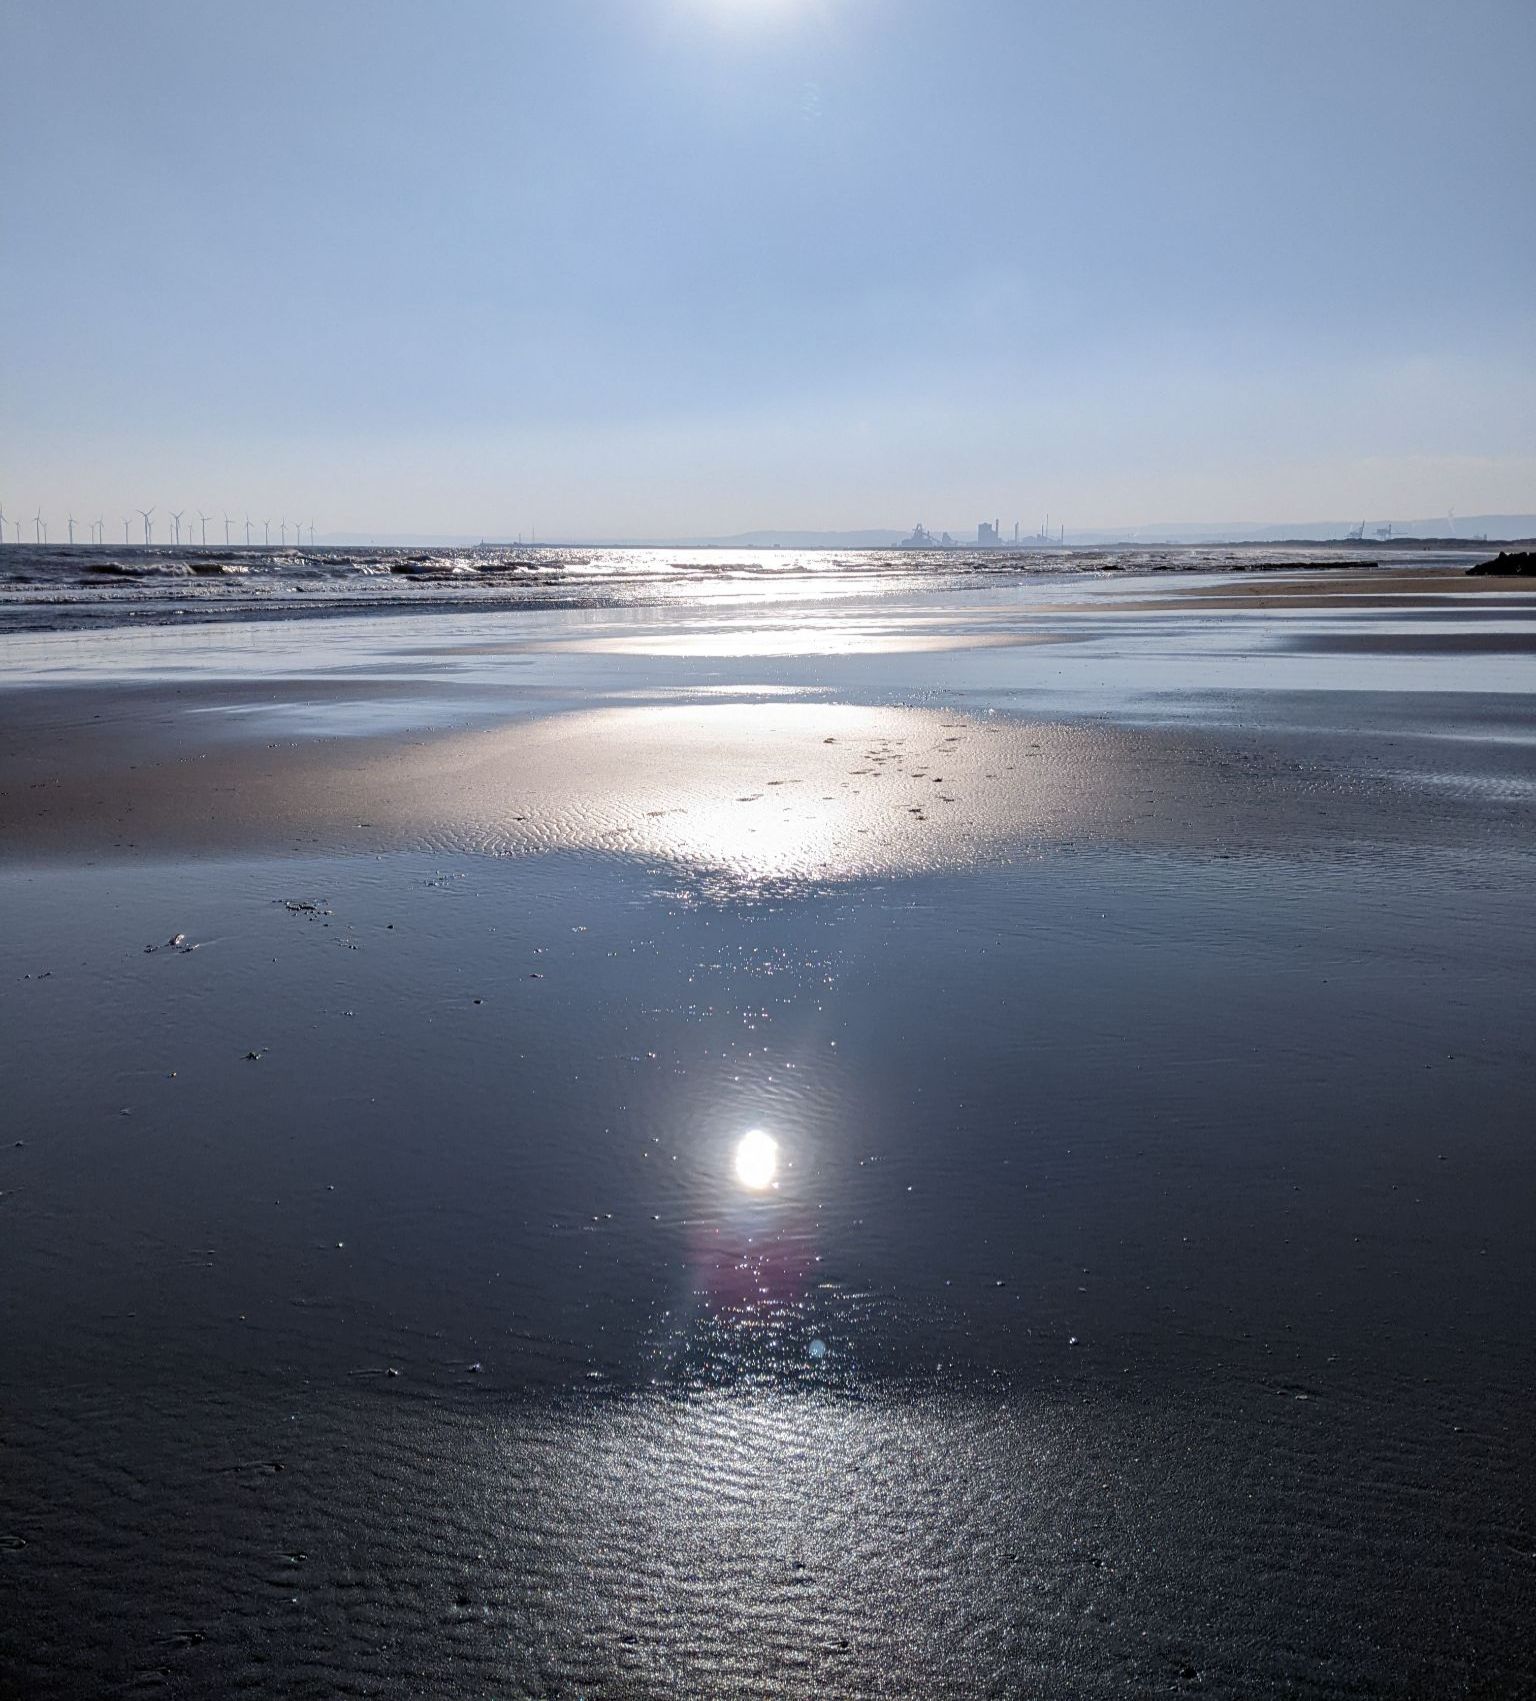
<point>54,586</point>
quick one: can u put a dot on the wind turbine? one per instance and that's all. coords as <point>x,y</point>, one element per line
<point>39,530</point>
<point>2,525</point>
<point>226,531</point>
<point>266,533</point>
<point>149,531</point>
<point>71,531</point>
<point>247,531</point>
<point>126,519</point>
<point>176,527</point>
<point>203,521</point>
<point>282,531</point>
<point>101,528</point>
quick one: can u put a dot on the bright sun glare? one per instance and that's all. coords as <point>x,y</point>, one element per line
<point>757,1160</point>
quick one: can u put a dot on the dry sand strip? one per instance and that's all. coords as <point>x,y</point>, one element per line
<point>754,791</point>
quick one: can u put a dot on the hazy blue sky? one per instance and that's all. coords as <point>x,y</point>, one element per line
<point>644,267</point>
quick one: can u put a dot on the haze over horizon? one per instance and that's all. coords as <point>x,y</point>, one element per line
<point>1466,528</point>
<point>683,268</point>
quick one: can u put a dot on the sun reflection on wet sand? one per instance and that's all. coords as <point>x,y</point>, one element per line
<point>757,1160</point>
<point>786,1542</point>
<point>744,794</point>
<point>762,791</point>
<point>831,637</point>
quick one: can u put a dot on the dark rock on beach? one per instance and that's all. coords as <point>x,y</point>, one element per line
<point>1507,564</point>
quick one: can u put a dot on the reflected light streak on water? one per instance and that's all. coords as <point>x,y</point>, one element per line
<point>770,1541</point>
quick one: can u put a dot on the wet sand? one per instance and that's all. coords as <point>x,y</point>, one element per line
<point>1144,1303</point>
<point>750,791</point>
<point>1378,589</point>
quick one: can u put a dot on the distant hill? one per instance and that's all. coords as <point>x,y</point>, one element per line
<point>874,539</point>
<point>1465,528</point>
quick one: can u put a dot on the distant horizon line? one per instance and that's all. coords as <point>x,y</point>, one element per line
<point>1467,529</point>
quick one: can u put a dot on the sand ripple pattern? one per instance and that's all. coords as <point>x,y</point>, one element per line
<point>748,794</point>
<point>757,1543</point>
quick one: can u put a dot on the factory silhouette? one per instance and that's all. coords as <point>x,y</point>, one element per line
<point>989,535</point>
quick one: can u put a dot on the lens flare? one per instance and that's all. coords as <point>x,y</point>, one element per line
<point>757,1160</point>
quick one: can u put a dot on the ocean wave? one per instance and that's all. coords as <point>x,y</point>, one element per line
<point>58,585</point>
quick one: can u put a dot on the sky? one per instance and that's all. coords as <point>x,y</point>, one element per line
<point>676,268</point>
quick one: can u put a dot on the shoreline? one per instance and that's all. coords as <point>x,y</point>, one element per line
<point>148,595</point>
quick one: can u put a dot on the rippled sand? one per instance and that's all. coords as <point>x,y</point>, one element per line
<point>1141,1301</point>
<point>758,791</point>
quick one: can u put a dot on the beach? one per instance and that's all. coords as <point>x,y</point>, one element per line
<point>1132,969</point>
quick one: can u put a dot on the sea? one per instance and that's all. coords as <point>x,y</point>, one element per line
<point>51,587</point>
